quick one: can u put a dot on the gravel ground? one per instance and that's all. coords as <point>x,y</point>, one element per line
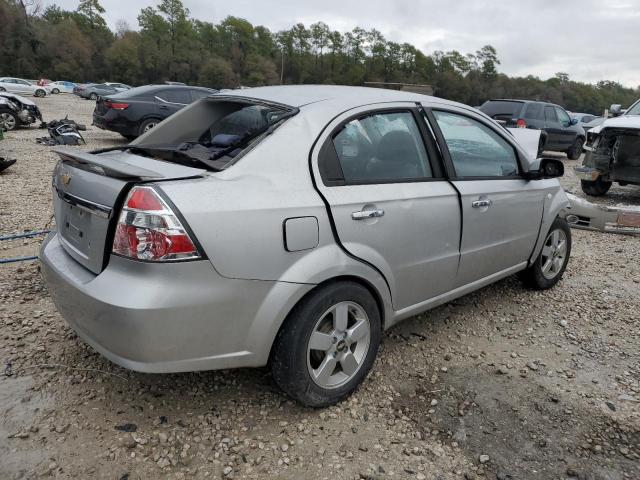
<point>505,383</point>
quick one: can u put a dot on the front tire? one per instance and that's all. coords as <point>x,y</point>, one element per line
<point>576,149</point>
<point>552,261</point>
<point>596,188</point>
<point>327,345</point>
<point>93,96</point>
<point>8,121</point>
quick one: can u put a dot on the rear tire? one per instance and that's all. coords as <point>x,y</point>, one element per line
<point>147,125</point>
<point>40,93</point>
<point>576,149</point>
<point>55,90</point>
<point>552,260</point>
<point>327,344</point>
<point>597,188</point>
<point>2,89</point>
<point>93,96</point>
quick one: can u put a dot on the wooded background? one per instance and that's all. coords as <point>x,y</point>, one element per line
<point>168,44</point>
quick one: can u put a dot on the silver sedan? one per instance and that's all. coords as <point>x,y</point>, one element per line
<point>290,226</point>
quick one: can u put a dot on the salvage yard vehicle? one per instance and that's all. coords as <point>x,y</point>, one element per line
<point>289,226</point>
<point>559,132</point>
<point>62,86</point>
<point>21,86</point>
<point>17,111</point>
<point>613,153</point>
<point>138,110</point>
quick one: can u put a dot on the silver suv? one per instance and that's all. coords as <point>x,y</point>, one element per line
<point>290,226</point>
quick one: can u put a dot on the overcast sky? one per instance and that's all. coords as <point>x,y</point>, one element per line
<point>591,40</point>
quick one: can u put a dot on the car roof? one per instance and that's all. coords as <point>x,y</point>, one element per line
<point>349,97</point>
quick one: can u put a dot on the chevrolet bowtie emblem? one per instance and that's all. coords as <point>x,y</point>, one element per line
<point>66,178</point>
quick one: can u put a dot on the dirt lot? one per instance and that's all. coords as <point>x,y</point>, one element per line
<point>506,383</point>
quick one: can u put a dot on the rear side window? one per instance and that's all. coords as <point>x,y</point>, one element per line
<point>475,149</point>
<point>175,96</point>
<point>382,148</point>
<point>550,114</point>
<point>501,109</point>
<point>533,111</point>
<point>198,94</point>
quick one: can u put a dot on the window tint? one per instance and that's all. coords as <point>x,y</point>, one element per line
<point>501,109</point>
<point>176,96</point>
<point>198,94</point>
<point>533,111</point>
<point>476,150</point>
<point>22,82</point>
<point>563,116</point>
<point>383,147</point>
<point>587,118</point>
<point>550,114</point>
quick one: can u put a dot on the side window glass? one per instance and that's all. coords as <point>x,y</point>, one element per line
<point>533,111</point>
<point>383,147</point>
<point>550,114</point>
<point>563,116</point>
<point>476,150</point>
<point>198,94</point>
<point>176,96</point>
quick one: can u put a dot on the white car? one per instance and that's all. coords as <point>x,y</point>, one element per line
<point>61,87</point>
<point>21,86</point>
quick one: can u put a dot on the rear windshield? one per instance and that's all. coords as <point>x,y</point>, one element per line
<point>501,109</point>
<point>213,133</point>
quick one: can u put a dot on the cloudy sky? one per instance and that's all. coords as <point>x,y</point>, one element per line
<point>591,40</point>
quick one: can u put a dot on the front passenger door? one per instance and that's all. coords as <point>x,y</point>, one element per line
<point>501,211</point>
<point>553,128</point>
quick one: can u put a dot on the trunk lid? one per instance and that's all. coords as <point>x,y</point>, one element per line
<point>87,191</point>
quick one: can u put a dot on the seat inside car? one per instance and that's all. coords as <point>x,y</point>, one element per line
<point>396,157</point>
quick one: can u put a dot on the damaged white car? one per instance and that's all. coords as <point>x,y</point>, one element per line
<point>612,152</point>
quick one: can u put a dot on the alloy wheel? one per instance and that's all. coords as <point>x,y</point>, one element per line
<point>7,121</point>
<point>149,126</point>
<point>338,345</point>
<point>554,253</point>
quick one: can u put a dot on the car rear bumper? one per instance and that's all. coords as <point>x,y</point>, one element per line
<point>167,317</point>
<point>115,124</point>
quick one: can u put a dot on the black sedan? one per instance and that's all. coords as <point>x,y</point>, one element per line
<point>135,111</point>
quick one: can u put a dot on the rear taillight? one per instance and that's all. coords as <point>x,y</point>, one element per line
<point>115,106</point>
<point>149,230</point>
<point>521,123</point>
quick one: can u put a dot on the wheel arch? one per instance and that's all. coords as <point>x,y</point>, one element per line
<point>330,281</point>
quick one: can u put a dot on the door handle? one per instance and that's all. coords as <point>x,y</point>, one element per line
<point>481,203</point>
<point>164,107</point>
<point>363,214</point>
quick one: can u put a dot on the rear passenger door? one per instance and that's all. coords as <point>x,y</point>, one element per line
<point>501,211</point>
<point>172,100</point>
<point>553,128</point>
<point>379,171</point>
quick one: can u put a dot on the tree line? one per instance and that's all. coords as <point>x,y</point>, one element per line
<point>169,44</point>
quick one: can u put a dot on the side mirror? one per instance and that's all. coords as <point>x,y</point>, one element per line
<point>547,168</point>
<point>574,121</point>
<point>615,110</point>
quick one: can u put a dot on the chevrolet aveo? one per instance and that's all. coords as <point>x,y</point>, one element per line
<point>290,226</point>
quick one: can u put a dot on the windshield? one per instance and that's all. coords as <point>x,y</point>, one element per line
<point>212,132</point>
<point>634,109</point>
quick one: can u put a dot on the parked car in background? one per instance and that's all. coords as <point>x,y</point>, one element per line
<point>62,87</point>
<point>583,118</point>
<point>290,226</point>
<point>593,123</point>
<point>612,152</point>
<point>17,111</point>
<point>135,111</point>
<point>24,87</point>
<point>559,132</point>
<point>80,87</point>
<point>120,87</point>
<point>97,90</point>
